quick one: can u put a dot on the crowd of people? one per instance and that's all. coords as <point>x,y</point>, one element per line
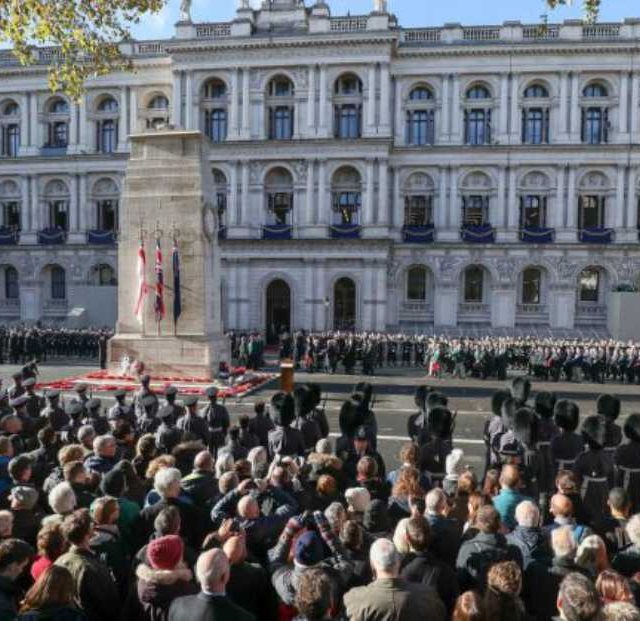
<point>21,344</point>
<point>596,360</point>
<point>159,510</point>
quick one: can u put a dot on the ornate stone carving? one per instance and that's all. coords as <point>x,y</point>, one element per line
<point>301,78</point>
<point>627,270</point>
<point>255,172</point>
<point>506,269</point>
<point>565,269</point>
<point>301,167</point>
<point>447,267</point>
<point>393,267</point>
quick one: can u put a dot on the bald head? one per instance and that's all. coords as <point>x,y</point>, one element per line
<point>561,506</point>
<point>212,570</point>
<point>203,461</point>
<point>248,508</point>
<point>235,549</point>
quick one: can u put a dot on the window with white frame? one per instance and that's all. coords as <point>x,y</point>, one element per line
<point>57,118</point>
<point>279,196</point>
<point>107,117</point>
<point>347,107</point>
<point>280,108</point>
<point>595,114</point>
<point>477,116</point>
<point>9,129</point>
<point>214,104</point>
<point>346,196</point>
<point>535,115</point>
<point>420,114</point>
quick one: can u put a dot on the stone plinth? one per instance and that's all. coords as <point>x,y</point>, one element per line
<point>167,187</point>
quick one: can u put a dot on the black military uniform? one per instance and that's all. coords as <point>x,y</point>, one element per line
<point>151,409</point>
<point>627,462</point>
<point>261,424</point>
<point>433,452</point>
<point>547,430</point>
<point>566,446</point>
<point>75,412</point>
<point>417,422</point>
<point>55,416</point>
<point>35,403</point>
<point>310,430</point>
<point>178,410</point>
<point>283,440</point>
<point>317,413</point>
<point>95,418</point>
<point>217,419</point>
<point>120,410</point>
<point>608,406</point>
<point>191,425</point>
<point>148,422</point>
<point>167,436</point>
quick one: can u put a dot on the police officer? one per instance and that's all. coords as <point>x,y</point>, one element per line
<point>217,419</point>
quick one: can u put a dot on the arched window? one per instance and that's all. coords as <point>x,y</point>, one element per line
<point>279,190</point>
<point>56,197</point>
<point>477,116</point>
<point>344,304</point>
<point>417,284</point>
<point>535,115</point>
<point>346,195</point>
<point>103,275</point>
<point>418,200</point>
<point>595,114</point>
<point>11,286</point>
<point>157,111</point>
<point>474,284</point>
<point>107,125</point>
<point>536,91</point>
<point>347,107</point>
<point>214,106</point>
<point>220,196</point>
<point>420,127</point>
<point>58,283</point>
<point>589,285</point>
<point>10,129</point>
<point>281,108</point>
<point>10,205</point>
<point>159,102</point>
<point>106,195</point>
<point>57,121</point>
<point>531,286</point>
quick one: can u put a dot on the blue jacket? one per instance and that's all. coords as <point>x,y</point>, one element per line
<point>505,504</point>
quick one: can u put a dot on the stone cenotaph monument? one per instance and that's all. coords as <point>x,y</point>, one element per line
<point>167,192</point>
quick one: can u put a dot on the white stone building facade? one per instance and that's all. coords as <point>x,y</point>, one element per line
<point>368,176</point>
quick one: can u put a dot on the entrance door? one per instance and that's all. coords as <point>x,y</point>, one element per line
<point>344,305</point>
<point>278,310</point>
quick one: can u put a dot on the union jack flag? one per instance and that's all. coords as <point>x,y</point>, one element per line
<point>159,302</point>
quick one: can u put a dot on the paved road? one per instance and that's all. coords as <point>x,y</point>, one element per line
<point>394,401</point>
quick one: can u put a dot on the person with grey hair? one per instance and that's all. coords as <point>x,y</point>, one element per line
<point>528,537</point>
<point>167,483</point>
<point>627,561</point>
<point>86,435</point>
<point>620,611</point>
<point>104,458</point>
<point>212,571</point>
<point>390,597</point>
<point>258,459</point>
<point>578,599</point>
<point>26,518</point>
<point>445,531</point>
<point>336,516</point>
<point>62,501</point>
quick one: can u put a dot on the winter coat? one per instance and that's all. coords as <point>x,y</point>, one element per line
<point>424,568</point>
<point>476,556</point>
<point>64,613</point>
<point>157,588</point>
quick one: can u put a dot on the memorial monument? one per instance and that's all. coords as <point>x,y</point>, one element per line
<point>166,196</point>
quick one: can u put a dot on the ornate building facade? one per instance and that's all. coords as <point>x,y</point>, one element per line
<point>367,176</point>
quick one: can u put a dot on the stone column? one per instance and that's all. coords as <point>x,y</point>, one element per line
<point>190,119</point>
<point>311,101</point>
<point>24,125</point>
<point>452,231</point>
<point>234,215</point>
<point>504,109</point>
<point>324,207</point>
<point>575,110</point>
<point>370,122</point>
<point>36,219</point>
<point>84,126</point>
<point>27,214</point>
<point>123,120</point>
<point>400,137</point>
<point>309,219</point>
<point>631,218</point>
<point>367,215</point>
<point>380,291</point>
<point>512,206</point>
<point>385,100</point>
<point>324,102</point>
<point>85,215</point>
<point>35,141</point>
<point>176,100</point>
<point>244,207</point>
<point>73,128</point>
<point>383,191</point>
<point>233,111</point>
<point>246,104</point>
<point>561,125</point>
<point>445,111</point>
<point>515,125</point>
<point>456,112</point>
<point>396,217</point>
<point>569,234</point>
<point>635,104</point>
<point>440,216</point>
<point>617,218</point>
<point>623,110</point>
<point>503,306</point>
<point>559,204</point>
<point>500,220</point>
<point>133,126</point>
<point>445,305</point>
<point>74,209</point>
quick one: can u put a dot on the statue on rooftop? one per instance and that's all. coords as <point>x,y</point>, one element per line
<point>185,10</point>
<point>380,6</point>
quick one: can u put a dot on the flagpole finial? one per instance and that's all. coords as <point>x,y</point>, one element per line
<point>175,232</point>
<point>142,233</point>
<point>157,231</point>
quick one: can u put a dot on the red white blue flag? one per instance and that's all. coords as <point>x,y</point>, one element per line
<point>159,302</point>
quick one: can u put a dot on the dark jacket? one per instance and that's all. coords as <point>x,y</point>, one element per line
<point>8,599</point>
<point>201,487</point>
<point>158,588</point>
<point>627,561</point>
<point>285,441</point>
<point>445,538</point>
<point>477,555</point>
<point>96,593</point>
<point>191,523</point>
<point>531,544</point>
<point>249,586</point>
<point>66,613</point>
<point>203,607</point>
<point>424,568</point>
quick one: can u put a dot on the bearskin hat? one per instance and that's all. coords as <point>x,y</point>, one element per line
<point>497,399</point>
<point>436,399</point>
<point>420,396</point>
<point>520,389</point>
<point>525,426</point>
<point>302,399</point>
<point>366,389</point>
<point>632,427</point>
<point>348,417</point>
<point>283,408</point>
<point>508,412</point>
<point>608,406</point>
<point>315,393</point>
<point>594,431</point>
<point>566,415</point>
<point>544,404</point>
<point>440,422</point>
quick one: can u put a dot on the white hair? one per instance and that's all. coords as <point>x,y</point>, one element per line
<point>257,457</point>
<point>101,442</point>
<point>563,543</point>
<point>620,611</point>
<point>211,568</point>
<point>587,554</point>
<point>633,529</point>
<point>434,501</point>
<point>335,514</point>
<point>453,462</point>
<point>400,540</point>
<point>165,478</point>
<point>384,556</point>
<point>85,432</point>
<point>324,446</point>
<point>224,463</point>
<point>527,514</point>
<point>358,498</point>
<point>62,498</point>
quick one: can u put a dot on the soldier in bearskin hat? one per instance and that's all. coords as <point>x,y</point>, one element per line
<point>627,462</point>
<point>367,416</point>
<point>310,430</point>
<point>544,405</point>
<point>348,423</point>
<point>317,413</point>
<point>494,426</point>
<point>521,390</point>
<point>439,444</point>
<point>608,406</point>
<point>594,468</point>
<point>417,422</point>
<point>567,445</point>
<point>167,436</point>
<point>284,440</point>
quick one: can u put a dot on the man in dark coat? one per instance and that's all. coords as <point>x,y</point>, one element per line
<point>284,440</point>
<point>627,462</point>
<point>15,555</point>
<point>566,446</point>
<point>145,401</point>
<point>53,413</point>
<point>261,424</point>
<point>201,484</point>
<point>307,426</point>
<point>212,603</point>
<point>191,425</point>
<point>217,418</point>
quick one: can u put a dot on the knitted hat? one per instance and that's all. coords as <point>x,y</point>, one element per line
<point>358,498</point>
<point>309,549</point>
<point>165,552</point>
